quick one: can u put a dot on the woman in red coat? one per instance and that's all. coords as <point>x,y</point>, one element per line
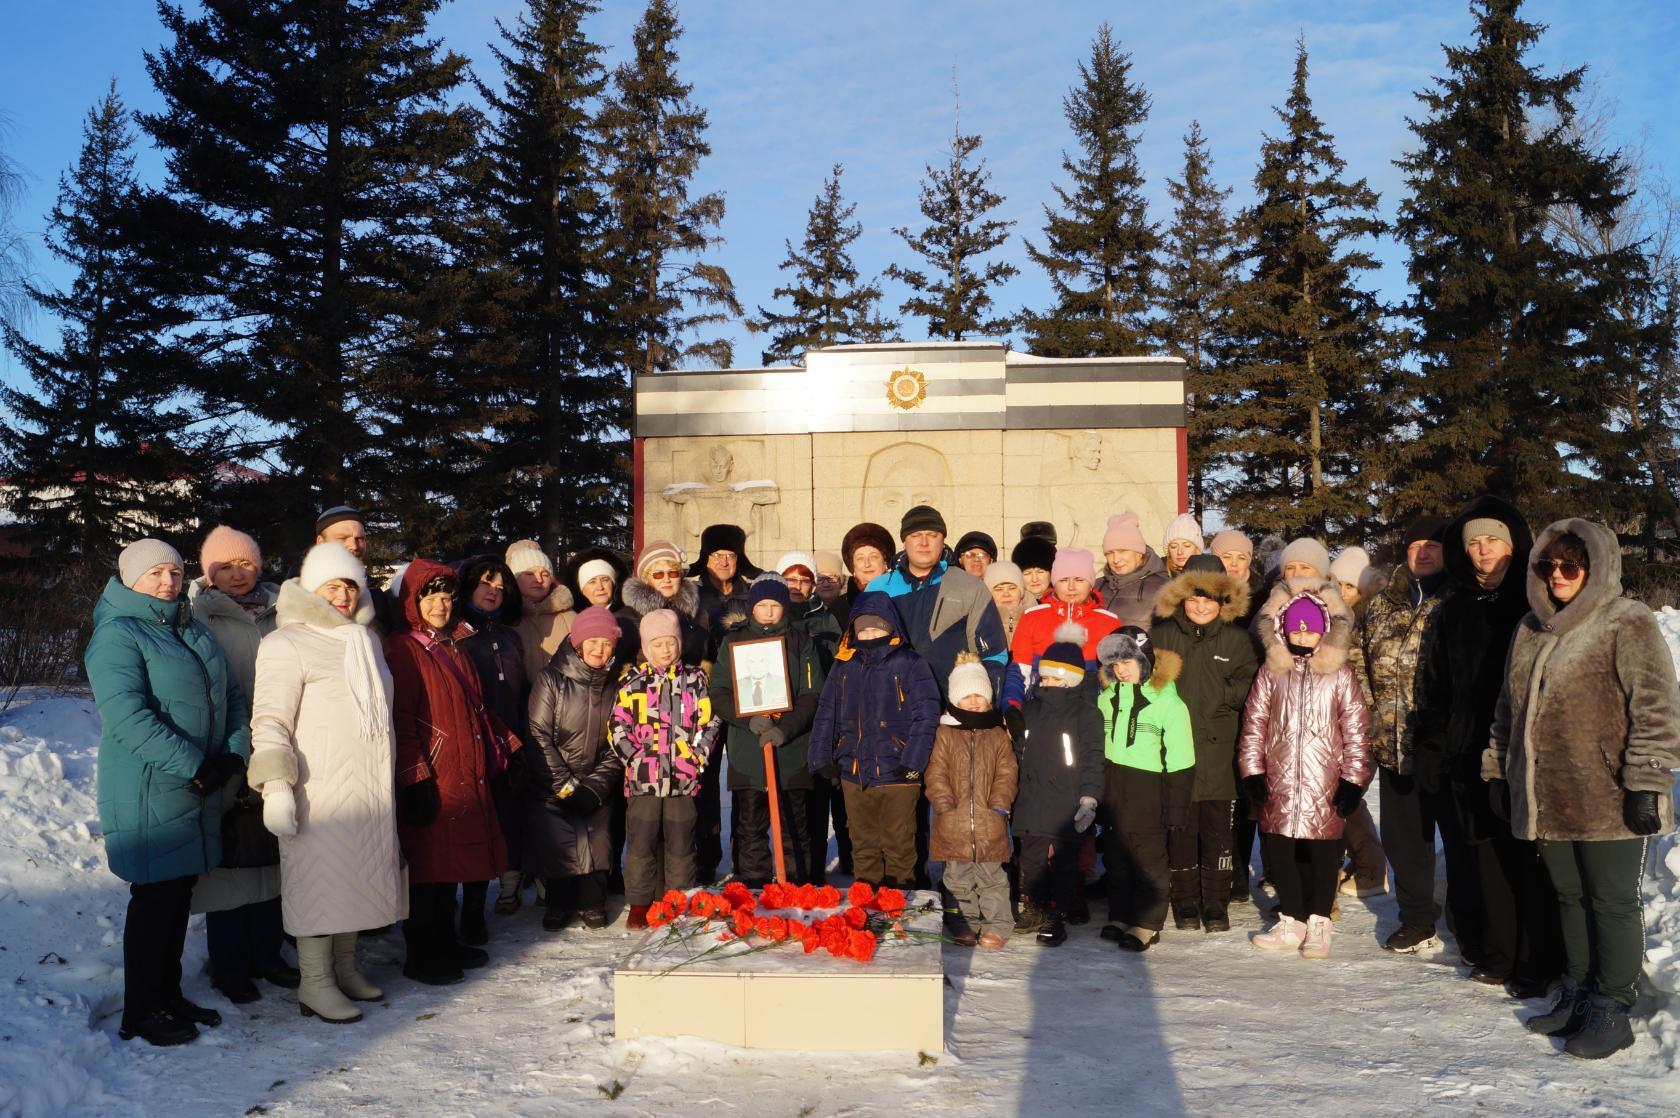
<point>449,746</point>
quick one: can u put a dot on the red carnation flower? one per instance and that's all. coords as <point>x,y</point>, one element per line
<point>861,893</point>
<point>890,901</point>
<point>856,917</point>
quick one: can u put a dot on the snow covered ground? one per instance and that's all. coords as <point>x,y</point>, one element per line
<point>1198,1025</point>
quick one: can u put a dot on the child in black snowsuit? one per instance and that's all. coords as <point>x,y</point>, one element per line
<point>1060,754</point>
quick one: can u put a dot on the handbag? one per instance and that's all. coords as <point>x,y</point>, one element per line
<point>246,843</point>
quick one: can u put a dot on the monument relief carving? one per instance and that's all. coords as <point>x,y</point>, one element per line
<point>718,499</point>
<point>902,476</point>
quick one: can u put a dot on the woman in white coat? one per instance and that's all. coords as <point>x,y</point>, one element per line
<point>324,756</point>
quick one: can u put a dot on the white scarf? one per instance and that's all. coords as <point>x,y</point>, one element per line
<point>368,679</point>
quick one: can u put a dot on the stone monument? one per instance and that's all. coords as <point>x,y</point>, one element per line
<point>991,437</point>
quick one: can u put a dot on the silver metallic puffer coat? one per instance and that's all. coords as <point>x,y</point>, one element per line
<point>1305,727</point>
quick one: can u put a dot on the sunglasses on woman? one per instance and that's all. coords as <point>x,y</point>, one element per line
<point>1570,571</point>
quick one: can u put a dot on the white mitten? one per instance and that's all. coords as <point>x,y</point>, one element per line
<point>1082,819</point>
<point>279,809</point>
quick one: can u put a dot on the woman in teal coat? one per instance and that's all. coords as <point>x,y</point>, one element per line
<point>176,728</point>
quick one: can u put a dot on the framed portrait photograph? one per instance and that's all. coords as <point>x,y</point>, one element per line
<point>759,671</point>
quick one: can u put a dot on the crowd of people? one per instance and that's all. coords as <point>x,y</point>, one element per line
<point>326,757</point>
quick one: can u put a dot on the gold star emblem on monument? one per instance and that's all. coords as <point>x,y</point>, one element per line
<point>906,389</point>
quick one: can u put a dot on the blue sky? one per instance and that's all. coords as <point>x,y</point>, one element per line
<point>793,87</point>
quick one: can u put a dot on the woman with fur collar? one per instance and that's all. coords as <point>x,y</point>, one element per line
<point>1585,738</point>
<point>1305,757</point>
<point>659,584</point>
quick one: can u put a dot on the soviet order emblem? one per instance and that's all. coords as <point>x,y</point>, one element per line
<point>906,389</point>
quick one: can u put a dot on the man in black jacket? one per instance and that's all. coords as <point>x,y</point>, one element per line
<point>1517,940</point>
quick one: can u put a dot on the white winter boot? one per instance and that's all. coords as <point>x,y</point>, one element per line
<point>351,981</point>
<point>1286,935</point>
<point>1317,943</point>
<point>318,995</point>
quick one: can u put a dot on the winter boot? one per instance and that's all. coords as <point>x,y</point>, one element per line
<point>1139,939</point>
<point>239,991</point>
<point>1216,922</point>
<point>279,974</point>
<point>318,994</point>
<point>991,941</point>
<point>508,899</point>
<point>1030,920</point>
<point>1317,943</point>
<point>637,919</point>
<point>1411,939</point>
<point>1053,932</point>
<point>162,1029</point>
<point>190,1011</point>
<point>1522,987</point>
<point>1186,918</point>
<point>1286,935</point>
<point>474,933</point>
<point>1567,1015</point>
<point>1114,933</point>
<point>351,981</point>
<point>1605,1031</point>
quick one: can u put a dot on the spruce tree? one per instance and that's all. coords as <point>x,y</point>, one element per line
<point>954,293</point>
<point>552,400</point>
<point>1311,363</point>
<point>1099,247</point>
<point>102,449</point>
<point>665,293</point>
<point>14,250</point>
<point>317,157</point>
<point>830,306</point>
<point>1195,287</point>
<point>1504,317</point>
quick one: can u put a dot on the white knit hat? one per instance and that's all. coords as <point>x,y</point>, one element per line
<point>327,561</point>
<point>1183,527</point>
<point>142,555</point>
<point>793,559</point>
<point>968,678</point>
<point>1350,565</point>
<point>526,555</point>
<point>594,569</point>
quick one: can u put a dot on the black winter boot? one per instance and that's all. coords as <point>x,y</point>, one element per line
<point>161,1028</point>
<point>1053,933</point>
<point>1567,1015</point>
<point>1216,922</point>
<point>1604,1032</point>
<point>1186,918</point>
<point>197,1014</point>
<point>1412,938</point>
<point>1522,987</point>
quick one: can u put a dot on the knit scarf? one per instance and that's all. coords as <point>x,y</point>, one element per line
<point>255,604</point>
<point>971,719</point>
<point>368,681</point>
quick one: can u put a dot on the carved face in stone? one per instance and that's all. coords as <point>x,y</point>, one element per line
<point>1087,450</point>
<point>719,463</point>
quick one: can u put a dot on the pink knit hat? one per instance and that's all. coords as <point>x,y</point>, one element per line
<point>1124,534</point>
<point>1231,540</point>
<point>656,551</point>
<point>223,545</point>
<point>659,623</point>
<point>1073,562</point>
<point>596,621</point>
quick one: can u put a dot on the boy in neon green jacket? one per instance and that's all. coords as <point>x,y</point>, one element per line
<point>1149,764</point>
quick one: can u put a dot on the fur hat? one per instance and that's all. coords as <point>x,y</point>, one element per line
<point>222,546</point>
<point>972,540</point>
<point>1001,572</point>
<point>1041,529</point>
<point>1123,534</point>
<point>142,555</point>
<point>921,518</point>
<point>724,537</point>
<point>767,587</point>
<point>867,534</point>
<point>1073,562</point>
<point>1309,551</point>
<point>527,555</point>
<point>1204,576</point>
<point>1065,658</point>
<point>968,678</point>
<point>1230,539</point>
<point>1183,527</point>
<point>1128,643</point>
<point>1034,552</point>
<point>328,561</point>
<point>658,551</point>
<point>659,623</point>
<point>596,622</point>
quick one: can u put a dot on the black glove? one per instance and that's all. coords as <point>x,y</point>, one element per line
<point>1347,797</point>
<point>1255,790</point>
<point>418,804</point>
<point>1641,812</point>
<point>1402,783</point>
<point>775,735</point>
<point>829,772</point>
<point>759,724</point>
<point>217,770</point>
<point>1499,799</point>
<point>1017,723</point>
<point>909,776</point>
<point>583,801</point>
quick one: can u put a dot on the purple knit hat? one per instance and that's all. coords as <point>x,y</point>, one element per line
<point>1305,614</point>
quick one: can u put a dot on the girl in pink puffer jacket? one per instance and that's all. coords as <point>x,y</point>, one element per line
<point>1305,761</point>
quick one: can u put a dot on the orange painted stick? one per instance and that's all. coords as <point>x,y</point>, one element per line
<point>775,812</point>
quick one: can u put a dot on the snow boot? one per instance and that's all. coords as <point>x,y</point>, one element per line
<point>239,991</point>
<point>1488,977</point>
<point>637,919</point>
<point>1187,918</point>
<point>1114,933</point>
<point>508,891</point>
<point>278,973</point>
<point>1216,922</point>
<point>350,980</point>
<point>1605,1032</point>
<point>1412,938</point>
<point>1139,940</point>
<point>319,995</point>
<point>593,918</point>
<point>467,957</point>
<point>1522,987</point>
<point>197,1014</point>
<point>1286,935</point>
<point>557,919</point>
<point>1030,920</point>
<point>1053,932</point>
<point>1319,933</point>
<point>161,1028</point>
<point>1567,1015</point>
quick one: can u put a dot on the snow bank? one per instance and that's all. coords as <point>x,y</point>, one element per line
<point>1662,907</point>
